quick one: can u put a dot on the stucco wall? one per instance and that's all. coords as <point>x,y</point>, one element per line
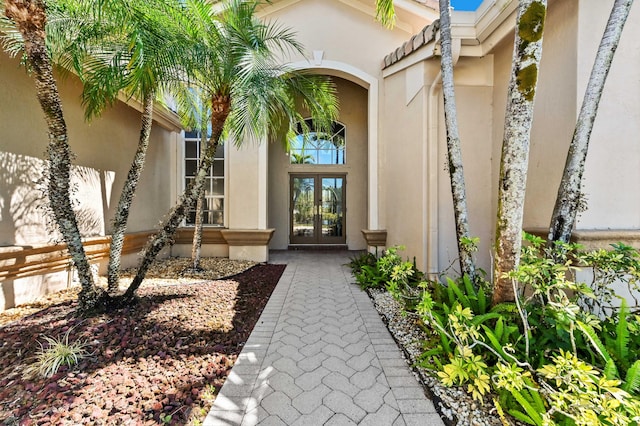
<point>344,33</point>
<point>402,141</point>
<point>103,151</point>
<point>416,195</point>
<point>612,170</point>
<point>353,114</point>
<point>555,113</point>
<point>572,34</point>
<point>242,185</point>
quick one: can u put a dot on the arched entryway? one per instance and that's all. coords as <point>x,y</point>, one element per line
<point>318,194</point>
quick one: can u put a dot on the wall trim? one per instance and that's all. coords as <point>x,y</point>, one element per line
<point>31,260</point>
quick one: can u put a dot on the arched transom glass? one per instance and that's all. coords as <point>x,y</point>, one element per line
<point>316,147</point>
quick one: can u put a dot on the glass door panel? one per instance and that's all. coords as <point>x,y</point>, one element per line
<point>332,211</point>
<point>317,209</point>
<point>303,210</point>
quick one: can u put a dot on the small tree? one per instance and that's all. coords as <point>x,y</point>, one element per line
<point>195,113</point>
<point>454,150</point>
<point>527,53</point>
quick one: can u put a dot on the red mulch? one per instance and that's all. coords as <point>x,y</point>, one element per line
<point>166,356</point>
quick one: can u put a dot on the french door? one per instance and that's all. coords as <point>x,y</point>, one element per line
<point>317,209</point>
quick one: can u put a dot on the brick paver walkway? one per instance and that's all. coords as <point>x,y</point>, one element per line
<point>320,355</point>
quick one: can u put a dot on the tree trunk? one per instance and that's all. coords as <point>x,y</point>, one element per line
<point>456,172</point>
<point>220,107</point>
<point>515,147</point>
<point>196,246</point>
<point>570,189</point>
<point>30,18</point>
<point>128,192</point>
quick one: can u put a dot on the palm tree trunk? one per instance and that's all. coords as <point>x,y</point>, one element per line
<point>196,246</point>
<point>570,189</point>
<point>126,197</point>
<point>515,147</point>
<point>30,18</point>
<point>221,105</point>
<point>456,172</point>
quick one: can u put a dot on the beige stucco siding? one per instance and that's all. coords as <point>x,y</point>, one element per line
<point>103,151</point>
<point>554,115</point>
<point>612,172</point>
<point>402,140</point>
<point>474,120</point>
<point>353,114</point>
<point>416,195</point>
<point>344,33</point>
<point>572,34</point>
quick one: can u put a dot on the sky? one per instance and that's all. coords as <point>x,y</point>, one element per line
<point>465,4</point>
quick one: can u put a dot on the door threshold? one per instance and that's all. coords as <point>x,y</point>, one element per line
<point>318,247</point>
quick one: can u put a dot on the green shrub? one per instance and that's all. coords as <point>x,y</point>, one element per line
<point>511,350</point>
<point>388,270</point>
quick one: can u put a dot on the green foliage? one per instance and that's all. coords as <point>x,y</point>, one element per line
<point>58,352</point>
<point>577,392</point>
<point>547,358</point>
<point>365,259</point>
<point>390,271</point>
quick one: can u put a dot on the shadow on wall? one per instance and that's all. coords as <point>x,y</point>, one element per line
<point>24,217</point>
<point>15,292</point>
<point>24,214</point>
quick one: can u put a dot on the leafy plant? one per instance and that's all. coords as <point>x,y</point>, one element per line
<point>579,394</point>
<point>58,352</point>
<point>365,259</point>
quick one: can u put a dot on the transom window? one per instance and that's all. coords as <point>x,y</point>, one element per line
<point>317,147</point>
<point>214,186</point>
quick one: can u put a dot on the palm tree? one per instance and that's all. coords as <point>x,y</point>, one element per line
<point>250,92</point>
<point>570,189</point>
<point>301,158</point>
<point>30,19</point>
<point>131,47</point>
<point>114,46</point>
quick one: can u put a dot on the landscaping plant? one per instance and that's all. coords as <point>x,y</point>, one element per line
<point>564,352</point>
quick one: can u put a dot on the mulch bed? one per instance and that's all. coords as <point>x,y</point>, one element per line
<point>160,361</point>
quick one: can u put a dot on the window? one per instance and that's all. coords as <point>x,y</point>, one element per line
<point>214,186</point>
<point>318,148</point>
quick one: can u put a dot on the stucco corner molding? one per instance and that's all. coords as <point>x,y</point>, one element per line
<point>375,237</point>
<point>247,237</point>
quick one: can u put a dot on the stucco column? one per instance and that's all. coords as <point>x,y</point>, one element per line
<point>247,235</point>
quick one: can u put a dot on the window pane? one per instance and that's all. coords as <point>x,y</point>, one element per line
<point>213,187</point>
<point>191,149</point>
<point>219,151</point>
<point>190,167</point>
<point>217,168</point>
<point>318,148</point>
<point>218,187</point>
